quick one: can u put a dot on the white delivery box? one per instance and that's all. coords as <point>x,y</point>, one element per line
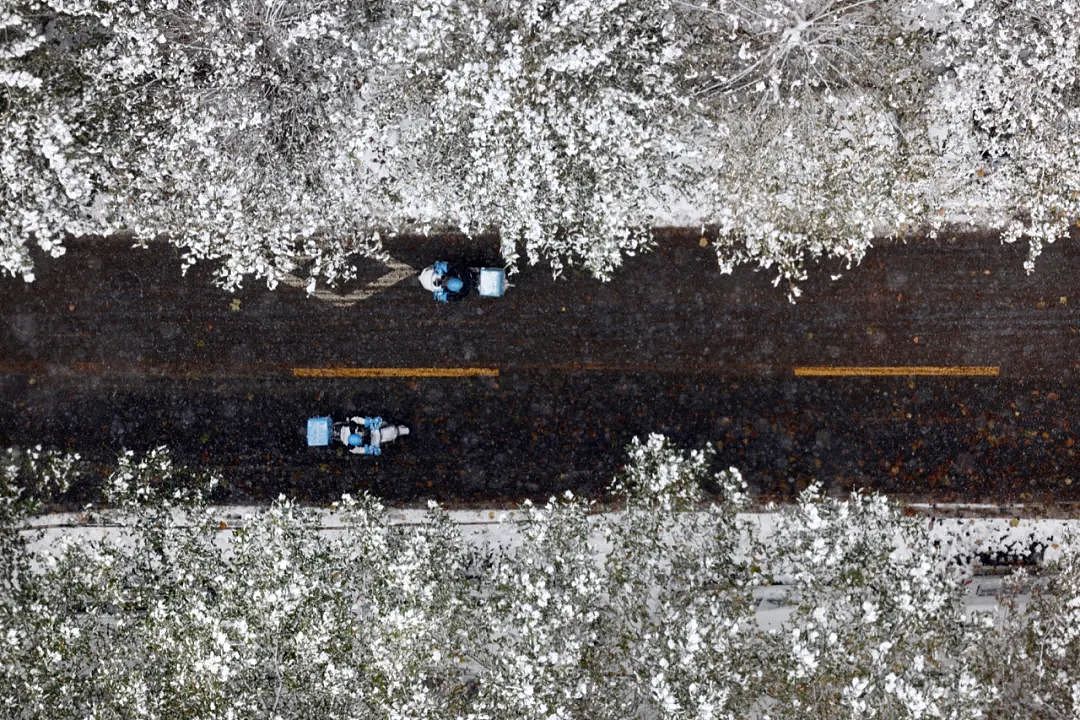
<point>492,282</point>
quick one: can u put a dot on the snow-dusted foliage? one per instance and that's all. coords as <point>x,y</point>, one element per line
<point>239,159</point>
<point>809,158</point>
<point>266,133</point>
<point>27,479</point>
<point>679,585</point>
<point>1004,115</point>
<point>30,477</point>
<point>213,123</point>
<point>539,629</point>
<point>279,621</point>
<point>874,632</point>
<point>825,181</point>
<point>43,174</point>
<point>1033,659</point>
<point>646,610</point>
<point>548,120</point>
<point>272,137</point>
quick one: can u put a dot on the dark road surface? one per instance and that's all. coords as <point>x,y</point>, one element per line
<point>112,349</point>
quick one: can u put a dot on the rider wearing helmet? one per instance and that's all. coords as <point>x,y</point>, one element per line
<point>357,446</point>
<point>443,283</point>
<point>353,435</point>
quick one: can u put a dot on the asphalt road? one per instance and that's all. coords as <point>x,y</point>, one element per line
<point>111,348</point>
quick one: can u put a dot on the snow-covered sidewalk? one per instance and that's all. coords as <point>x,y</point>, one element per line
<point>490,529</point>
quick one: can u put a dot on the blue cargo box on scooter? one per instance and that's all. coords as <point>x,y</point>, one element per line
<point>492,282</point>
<point>319,431</point>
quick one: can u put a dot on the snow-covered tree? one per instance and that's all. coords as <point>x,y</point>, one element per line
<point>644,610</point>
<point>210,123</point>
<point>245,157</point>
<point>1032,659</point>
<point>412,597</point>
<point>550,121</point>
<point>45,187</point>
<point>878,626</point>
<point>826,181</point>
<point>679,616</point>
<point>811,98</point>
<point>538,625</point>
<point>263,134</point>
<point>281,137</point>
<point>1004,115</point>
<point>28,478</point>
<point>280,620</point>
<point>31,477</point>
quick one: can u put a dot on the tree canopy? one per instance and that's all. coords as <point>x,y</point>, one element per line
<point>266,136</point>
<point>648,609</point>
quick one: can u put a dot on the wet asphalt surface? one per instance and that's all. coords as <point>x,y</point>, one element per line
<point>112,349</point>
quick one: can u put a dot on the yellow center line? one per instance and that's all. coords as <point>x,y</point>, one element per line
<point>897,370</point>
<point>391,372</point>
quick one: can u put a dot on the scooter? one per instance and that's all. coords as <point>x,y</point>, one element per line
<point>448,282</point>
<point>362,435</point>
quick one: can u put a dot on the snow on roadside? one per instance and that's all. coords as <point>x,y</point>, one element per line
<point>498,527</point>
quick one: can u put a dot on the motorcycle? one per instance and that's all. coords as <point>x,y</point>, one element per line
<point>360,434</point>
<point>448,282</point>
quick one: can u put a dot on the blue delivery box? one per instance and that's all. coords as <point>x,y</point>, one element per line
<point>319,431</point>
